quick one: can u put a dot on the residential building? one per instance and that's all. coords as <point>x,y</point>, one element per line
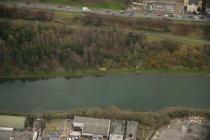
<point>117,130</point>
<point>131,130</point>
<point>92,127</point>
<point>193,5</point>
<point>136,6</point>
<point>159,6</point>
<point>208,7</point>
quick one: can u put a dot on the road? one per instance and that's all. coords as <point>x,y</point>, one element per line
<point>73,9</point>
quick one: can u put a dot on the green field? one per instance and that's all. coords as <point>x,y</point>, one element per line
<point>114,4</point>
<point>12,121</point>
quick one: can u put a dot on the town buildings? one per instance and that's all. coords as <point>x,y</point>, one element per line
<point>14,128</point>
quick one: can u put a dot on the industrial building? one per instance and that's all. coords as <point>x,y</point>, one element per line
<point>5,134</point>
<point>131,130</point>
<point>22,135</point>
<point>92,127</point>
<point>117,130</point>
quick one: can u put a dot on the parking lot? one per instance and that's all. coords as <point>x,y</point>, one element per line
<point>184,129</point>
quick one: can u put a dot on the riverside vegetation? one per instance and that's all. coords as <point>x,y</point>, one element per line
<point>67,44</point>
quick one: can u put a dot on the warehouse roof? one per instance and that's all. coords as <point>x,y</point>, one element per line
<point>117,127</point>
<point>5,135</point>
<point>131,130</point>
<point>94,126</point>
<point>93,121</point>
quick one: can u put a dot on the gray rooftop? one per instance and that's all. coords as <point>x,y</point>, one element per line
<point>117,127</point>
<point>94,126</point>
<point>131,130</point>
<point>22,135</point>
<point>5,135</point>
<point>208,4</point>
<point>96,129</point>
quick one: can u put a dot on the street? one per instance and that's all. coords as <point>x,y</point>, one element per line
<point>107,12</point>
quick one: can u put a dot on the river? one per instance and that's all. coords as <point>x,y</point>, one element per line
<point>149,92</point>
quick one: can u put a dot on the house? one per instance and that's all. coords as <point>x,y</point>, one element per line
<point>136,6</point>
<point>92,127</point>
<point>193,5</point>
<point>208,7</point>
<point>159,6</point>
<point>131,130</point>
<point>117,130</point>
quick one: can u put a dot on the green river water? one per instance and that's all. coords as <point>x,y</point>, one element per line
<point>131,92</point>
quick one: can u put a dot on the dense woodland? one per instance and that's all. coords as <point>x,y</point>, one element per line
<point>14,12</point>
<point>47,46</point>
<point>40,44</point>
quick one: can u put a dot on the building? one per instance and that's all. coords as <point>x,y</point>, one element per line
<point>117,130</point>
<point>208,7</point>
<point>157,6</point>
<point>131,130</point>
<point>136,6</point>
<point>193,5</point>
<point>5,134</point>
<point>92,127</point>
<point>22,135</point>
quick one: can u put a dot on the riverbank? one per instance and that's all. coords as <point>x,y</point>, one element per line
<point>113,112</point>
<point>112,72</point>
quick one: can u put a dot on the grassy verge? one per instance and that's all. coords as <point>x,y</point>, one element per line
<point>114,4</point>
<point>111,72</point>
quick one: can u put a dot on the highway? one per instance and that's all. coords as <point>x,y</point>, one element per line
<point>73,9</point>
